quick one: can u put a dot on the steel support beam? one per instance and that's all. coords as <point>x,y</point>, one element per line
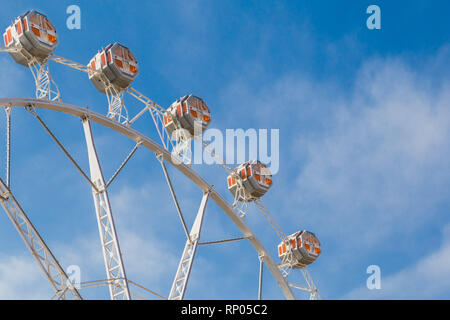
<point>8,146</point>
<point>313,292</point>
<point>38,248</point>
<point>46,88</point>
<point>115,271</point>
<point>184,268</point>
<point>260,282</point>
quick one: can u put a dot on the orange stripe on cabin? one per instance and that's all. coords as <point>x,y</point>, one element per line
<point>118,63</point>
<point>103,59</point>
<point>36,31</point>
<point>8,32</point>
<point>19,27</point>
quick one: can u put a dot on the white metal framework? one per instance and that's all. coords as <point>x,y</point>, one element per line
<point>173,150</point>
<point>116,109</point>
<point>185,266</point>
<point>157,149</point>
<point>118,287</point>
<point>38,248</point>
<point>46,87</point>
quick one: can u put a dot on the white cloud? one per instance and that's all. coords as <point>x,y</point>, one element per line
<point>428,278</point>
<point>361,160</point>
<point>381,163</point>
<point>21,278</point>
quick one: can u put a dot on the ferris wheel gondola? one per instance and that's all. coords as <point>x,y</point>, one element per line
<point>33,35</point>
<point>189,113</point>
<point>299,249</point>
<point>249,181</point>
<point>115,63</point>
<point>112,70</point>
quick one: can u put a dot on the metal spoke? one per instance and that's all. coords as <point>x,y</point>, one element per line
<point>174,197</point>
<point>34,113</point>
<point>8,146</point>
<point>38,248</point>
<point>108,236</point>
<point>148,290</point>
<point>122,165</point>
<point>260,282</point>
<point>184,268</point>
<point>222,241</point>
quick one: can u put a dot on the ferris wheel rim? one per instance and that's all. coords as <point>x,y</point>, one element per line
<point>85,112</point>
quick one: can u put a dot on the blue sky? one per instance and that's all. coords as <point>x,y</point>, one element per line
<point>364,140</point>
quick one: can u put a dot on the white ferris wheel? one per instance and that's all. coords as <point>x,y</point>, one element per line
<point>31,40</point>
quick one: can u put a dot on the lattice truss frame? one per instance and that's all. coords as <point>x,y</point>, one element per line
<point>179,148</point>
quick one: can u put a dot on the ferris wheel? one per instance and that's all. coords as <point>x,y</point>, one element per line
<point>31,40</point>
